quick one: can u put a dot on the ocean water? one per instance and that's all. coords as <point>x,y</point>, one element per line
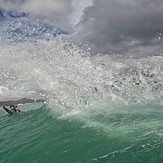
<point>117,134</point>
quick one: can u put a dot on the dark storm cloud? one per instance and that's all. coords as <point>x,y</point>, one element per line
<point>122,25</point>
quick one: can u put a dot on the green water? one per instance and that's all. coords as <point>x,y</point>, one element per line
<point>130,134</point>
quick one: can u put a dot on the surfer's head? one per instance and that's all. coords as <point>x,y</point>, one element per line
<point>12,107</point>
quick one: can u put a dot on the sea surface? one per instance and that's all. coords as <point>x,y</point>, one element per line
<point>110,134</point>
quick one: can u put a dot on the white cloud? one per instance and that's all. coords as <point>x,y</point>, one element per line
<point>51,11</point>
<point>44,7</point>
<point>36,6</point>
<point>62,13</point>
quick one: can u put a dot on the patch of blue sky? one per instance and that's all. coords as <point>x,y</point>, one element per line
<point>17,27</point>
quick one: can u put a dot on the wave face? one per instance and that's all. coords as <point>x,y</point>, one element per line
<point>124,134</point>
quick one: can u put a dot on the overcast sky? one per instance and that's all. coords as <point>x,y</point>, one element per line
<point>124,26</point>
<point>131,27</point>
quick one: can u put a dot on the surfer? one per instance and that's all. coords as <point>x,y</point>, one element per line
<point>13,109</point>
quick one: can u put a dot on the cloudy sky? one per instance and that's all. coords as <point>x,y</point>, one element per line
<point>127,27</point>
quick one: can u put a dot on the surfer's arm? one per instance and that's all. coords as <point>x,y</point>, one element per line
<point>4,107</point>
<point>17,110</point>
<point>7,110</point>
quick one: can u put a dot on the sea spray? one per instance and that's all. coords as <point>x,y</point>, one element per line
<point>68,76</point>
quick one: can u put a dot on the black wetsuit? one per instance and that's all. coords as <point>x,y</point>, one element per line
<point>10,112</point>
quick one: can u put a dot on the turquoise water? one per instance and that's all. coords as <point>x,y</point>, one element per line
<point>128,134</point>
